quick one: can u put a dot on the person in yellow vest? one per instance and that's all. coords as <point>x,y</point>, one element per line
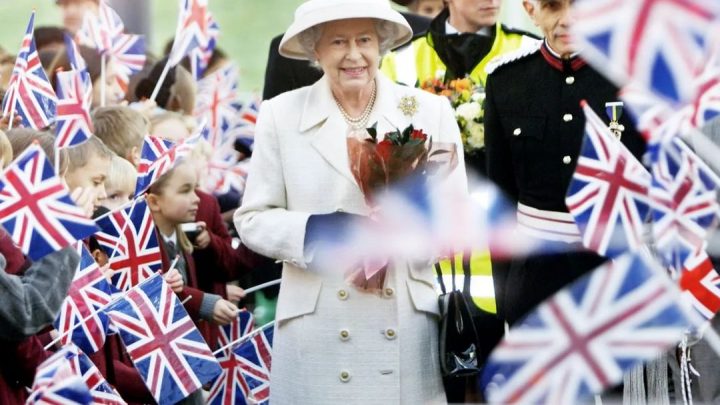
<point>460,43</point>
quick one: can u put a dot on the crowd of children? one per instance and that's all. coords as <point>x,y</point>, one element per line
<point>101,176</point>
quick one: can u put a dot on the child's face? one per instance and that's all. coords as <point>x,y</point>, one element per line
<point>116,198</point>
<point>172,129</point>
<point>91,176</point>
<point>178,202</point>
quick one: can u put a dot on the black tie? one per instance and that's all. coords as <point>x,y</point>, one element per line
<point>172,252</point>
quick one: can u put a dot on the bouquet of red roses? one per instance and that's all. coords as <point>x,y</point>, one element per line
<point>379,164</point>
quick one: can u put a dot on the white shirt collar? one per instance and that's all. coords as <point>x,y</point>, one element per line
<point>557,55</point>
<point>172,238</point>
<point>449,29</point>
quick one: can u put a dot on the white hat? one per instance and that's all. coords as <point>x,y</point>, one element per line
<point>315,12</point>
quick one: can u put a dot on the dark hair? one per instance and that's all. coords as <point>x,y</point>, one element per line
<point>147,84</point>
<point>61,62</point>
<point>48,35</point>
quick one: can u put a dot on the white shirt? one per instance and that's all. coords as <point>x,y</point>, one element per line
<point>449,29</point>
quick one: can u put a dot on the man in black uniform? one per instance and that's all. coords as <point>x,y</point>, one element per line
<point>534,128</point>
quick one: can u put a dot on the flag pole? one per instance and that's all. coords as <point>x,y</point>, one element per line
<point>261,286</point>
<point>102,79</point>
<point>244,337</point>
<point>106,306</point>
<point>159,84</point>
<point>12,112</point>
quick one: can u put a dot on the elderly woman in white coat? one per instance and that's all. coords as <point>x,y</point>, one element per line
<point>333,342</point>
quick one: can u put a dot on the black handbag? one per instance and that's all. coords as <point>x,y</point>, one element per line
<point>458,337</point>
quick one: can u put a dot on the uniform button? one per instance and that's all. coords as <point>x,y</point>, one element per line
<point>339,210</point>
<point>389,292</point>
<point>390,333</point>
<point>517,131</point>
<point>567,160</point>
<point>567,117</point>
<point>342,294</point>
<point>344,376</point>
<point>570,80</point>
<point>344,335</point>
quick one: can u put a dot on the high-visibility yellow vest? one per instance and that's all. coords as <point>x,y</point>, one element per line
<point>416,63</point>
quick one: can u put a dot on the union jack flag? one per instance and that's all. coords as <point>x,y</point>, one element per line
<point>137,256</point>
<point>76,60</point>
<point>36,209</point>
<point>583,339</point>
<point>76,364</point>
<point>700,283</point>
<point>57,382</point>
<point>246,372</point>
<point>217,103</point>
<point>659,44</point>
<point>100,30</point>
<point>158,156</point>
<point>608,192</point>
<point>162,341</point>
<point>80,320</point>
<point>226,174</point>
<point>29,93</point>
<point>200,57</point>
<point>229,383</point>
<point>128,57</point>
<point>193,30</point>
<point>684,205</point>
<point>74,125</point>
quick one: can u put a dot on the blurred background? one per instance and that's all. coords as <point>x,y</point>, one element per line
<point>246,26</point>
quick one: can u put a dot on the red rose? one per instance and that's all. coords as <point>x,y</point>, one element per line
<point>418,134</point>
<point>384,149</point>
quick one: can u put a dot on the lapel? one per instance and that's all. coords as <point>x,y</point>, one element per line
<point>320,113</point>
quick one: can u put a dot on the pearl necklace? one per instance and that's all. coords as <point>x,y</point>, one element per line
<point>361,121</point>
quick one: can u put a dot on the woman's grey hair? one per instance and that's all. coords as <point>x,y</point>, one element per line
<point>386,31</point>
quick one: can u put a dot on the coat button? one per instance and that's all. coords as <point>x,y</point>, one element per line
<point>567,117</point>
<point>344,376</point>
<point>389,292</point>
<point>567,160</point>
<point>570,80</point>
<point>344,335</point>
<point>342,294</point>
<point>390,334</point>
<point>517,131</point>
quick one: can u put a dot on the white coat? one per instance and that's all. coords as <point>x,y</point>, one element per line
<point>334,343</point>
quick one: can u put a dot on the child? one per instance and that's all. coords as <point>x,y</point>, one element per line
<point>6,153</point>
<point>172,201</point>
<point>83,167</point>
<point>122,129</point>
<point>172,126</point>
<point>119,184</point>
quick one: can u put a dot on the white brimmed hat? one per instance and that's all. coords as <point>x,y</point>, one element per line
<point>315,12</point>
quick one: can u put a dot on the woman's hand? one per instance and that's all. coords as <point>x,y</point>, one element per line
<point>224,312</point>
<point>174,280</point>
<point>234,293</point>
<point>203,239</point>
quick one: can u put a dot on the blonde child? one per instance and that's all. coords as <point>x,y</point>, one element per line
<point>83,167</point>
<point>172,126</point>
<point>122,129</point>
<point>119,184</point>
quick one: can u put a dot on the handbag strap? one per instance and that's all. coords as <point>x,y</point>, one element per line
<point>441,281</point>
<point>467,256</point>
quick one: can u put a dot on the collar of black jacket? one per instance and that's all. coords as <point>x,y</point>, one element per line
<point>459,52</point>
<point>572,64</point>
